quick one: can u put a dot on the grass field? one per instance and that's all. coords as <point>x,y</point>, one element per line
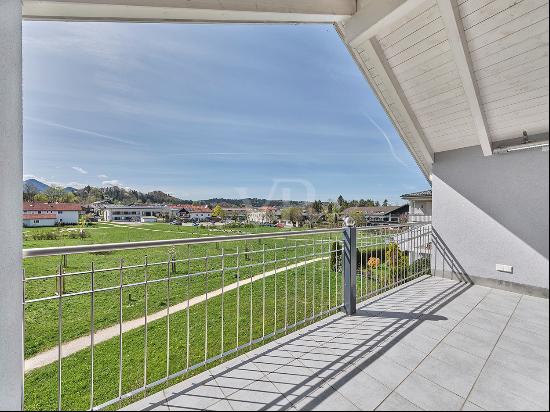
<point>263,306</point>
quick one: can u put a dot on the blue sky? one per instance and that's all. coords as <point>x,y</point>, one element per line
<point>204,111</point>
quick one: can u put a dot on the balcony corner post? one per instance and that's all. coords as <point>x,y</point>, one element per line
<point>349,257</point>
<point>11,190</point>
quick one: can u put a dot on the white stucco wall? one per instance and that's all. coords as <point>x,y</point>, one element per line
<point>492,210</point>
<point>11,186</point>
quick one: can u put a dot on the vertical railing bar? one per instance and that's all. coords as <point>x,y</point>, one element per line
<point>59,336</point>
<point>24,287</point>
<point>170,260</point>
<point>361,247</point>
<point>223,302</point>
<point>322,277</point>
<point>251,283</point>
<point>275,294</point>
<point>92,335</point>
<point>263,289</point>
<point>120,331</point>
<point>238,292</point>
<point>295,282</point>
<point>305,281</point>
<point>286,285</point>
<point>313,278</point>
<point>146,308</point>
<point>330,247</point>
<point>206,306</point>
<point>188,321</point>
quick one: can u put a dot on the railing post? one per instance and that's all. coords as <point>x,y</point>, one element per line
<point>349,257</point>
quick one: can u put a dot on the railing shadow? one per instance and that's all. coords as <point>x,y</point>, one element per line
<point>302,388</point>
<point>449,263</point>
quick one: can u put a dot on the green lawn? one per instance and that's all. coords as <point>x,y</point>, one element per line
<point>289,296</point>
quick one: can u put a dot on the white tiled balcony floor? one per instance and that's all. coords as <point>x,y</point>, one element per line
<point>433,344</point>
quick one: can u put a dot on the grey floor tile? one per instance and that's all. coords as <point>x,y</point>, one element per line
<point>361,389</point>
<point>427,395</point>
<point>469,406</point>
<point>235,379</point>
<point>396,402</point>
<point>404,355</point>
<point>222,405</point>
<point>515,346</point>
<point>260,395</point>
<point>500,388</point>
<point>480,348</point>
<point>386,371</point>
<point>325,399</point>
<point>452,369</point>
<point>526,336</point>
<point>194,397</point>
<point>526,364</point>
<point>155,402</point>
<point>486,320</point>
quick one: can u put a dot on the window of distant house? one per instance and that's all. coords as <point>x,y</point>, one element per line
<point>37,221</point>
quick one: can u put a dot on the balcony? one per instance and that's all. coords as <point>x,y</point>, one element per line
<point>431,344</point>
<point>346,319</point>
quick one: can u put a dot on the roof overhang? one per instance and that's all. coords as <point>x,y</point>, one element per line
<point>449,73</point>
<point>236,11</point>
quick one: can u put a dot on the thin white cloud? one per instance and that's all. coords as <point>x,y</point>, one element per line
<point>102,176</point>
<point>82,131</point>
<point>79,170</point>
<point>390,144</point>
<point>113,182</point>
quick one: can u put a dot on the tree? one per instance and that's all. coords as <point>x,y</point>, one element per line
<point>341,202</point>
<point>29,192</point>
<point>218,212</point>
<point>292,214</point>
<point>359,218</point>
<point>385,202</point>
<point>317,206</point>
<point>55,193</point>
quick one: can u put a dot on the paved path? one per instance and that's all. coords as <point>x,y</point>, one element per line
<point>70,348</point>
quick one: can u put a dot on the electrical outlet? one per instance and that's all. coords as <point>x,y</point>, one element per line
<point>505,268</point>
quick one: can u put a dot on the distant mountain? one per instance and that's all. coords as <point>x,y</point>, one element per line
<point>121,195</point>
<point>38,186</point>
<point>254,202</point>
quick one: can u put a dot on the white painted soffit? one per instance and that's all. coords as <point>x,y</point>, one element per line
<point>455,73</point>
<point>247,11</point>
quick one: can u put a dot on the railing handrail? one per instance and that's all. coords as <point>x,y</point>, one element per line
<point>110,247</point>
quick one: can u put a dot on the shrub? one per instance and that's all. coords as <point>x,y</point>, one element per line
<point>373,262</point>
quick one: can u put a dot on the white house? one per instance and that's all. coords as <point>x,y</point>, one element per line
<point>121,213</point>
<point>420,206</point>
<point>50,214</point>
<point>264,214</point>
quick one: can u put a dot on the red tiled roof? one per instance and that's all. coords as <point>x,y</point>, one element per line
<point>196,208</point>
<point>32,216</point>
<point>51,206</point>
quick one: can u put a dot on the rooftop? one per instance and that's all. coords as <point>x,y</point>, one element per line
<point>51,206</point>
<point>415,195</point>
<point>374,210</point>
<point>432,344</point>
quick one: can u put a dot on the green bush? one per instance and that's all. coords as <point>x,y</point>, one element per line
<point>363,255</point>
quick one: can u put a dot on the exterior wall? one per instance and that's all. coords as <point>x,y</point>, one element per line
<point>200,216</point>
<point>11,186</point>
<point>41,222</point>
<point>488,211</point>
<point>67,217</point>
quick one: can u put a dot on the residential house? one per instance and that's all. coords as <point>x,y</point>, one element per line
<point>122,213</point>
<point>50,214</point>
<point>420,206</point>
<point>236,213</point>
<point>194,213</point>
<point>376,215</point>
<point>264,214</point>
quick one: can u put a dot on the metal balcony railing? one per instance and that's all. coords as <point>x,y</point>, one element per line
<point>166,308</point>
<point>419,218</point>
